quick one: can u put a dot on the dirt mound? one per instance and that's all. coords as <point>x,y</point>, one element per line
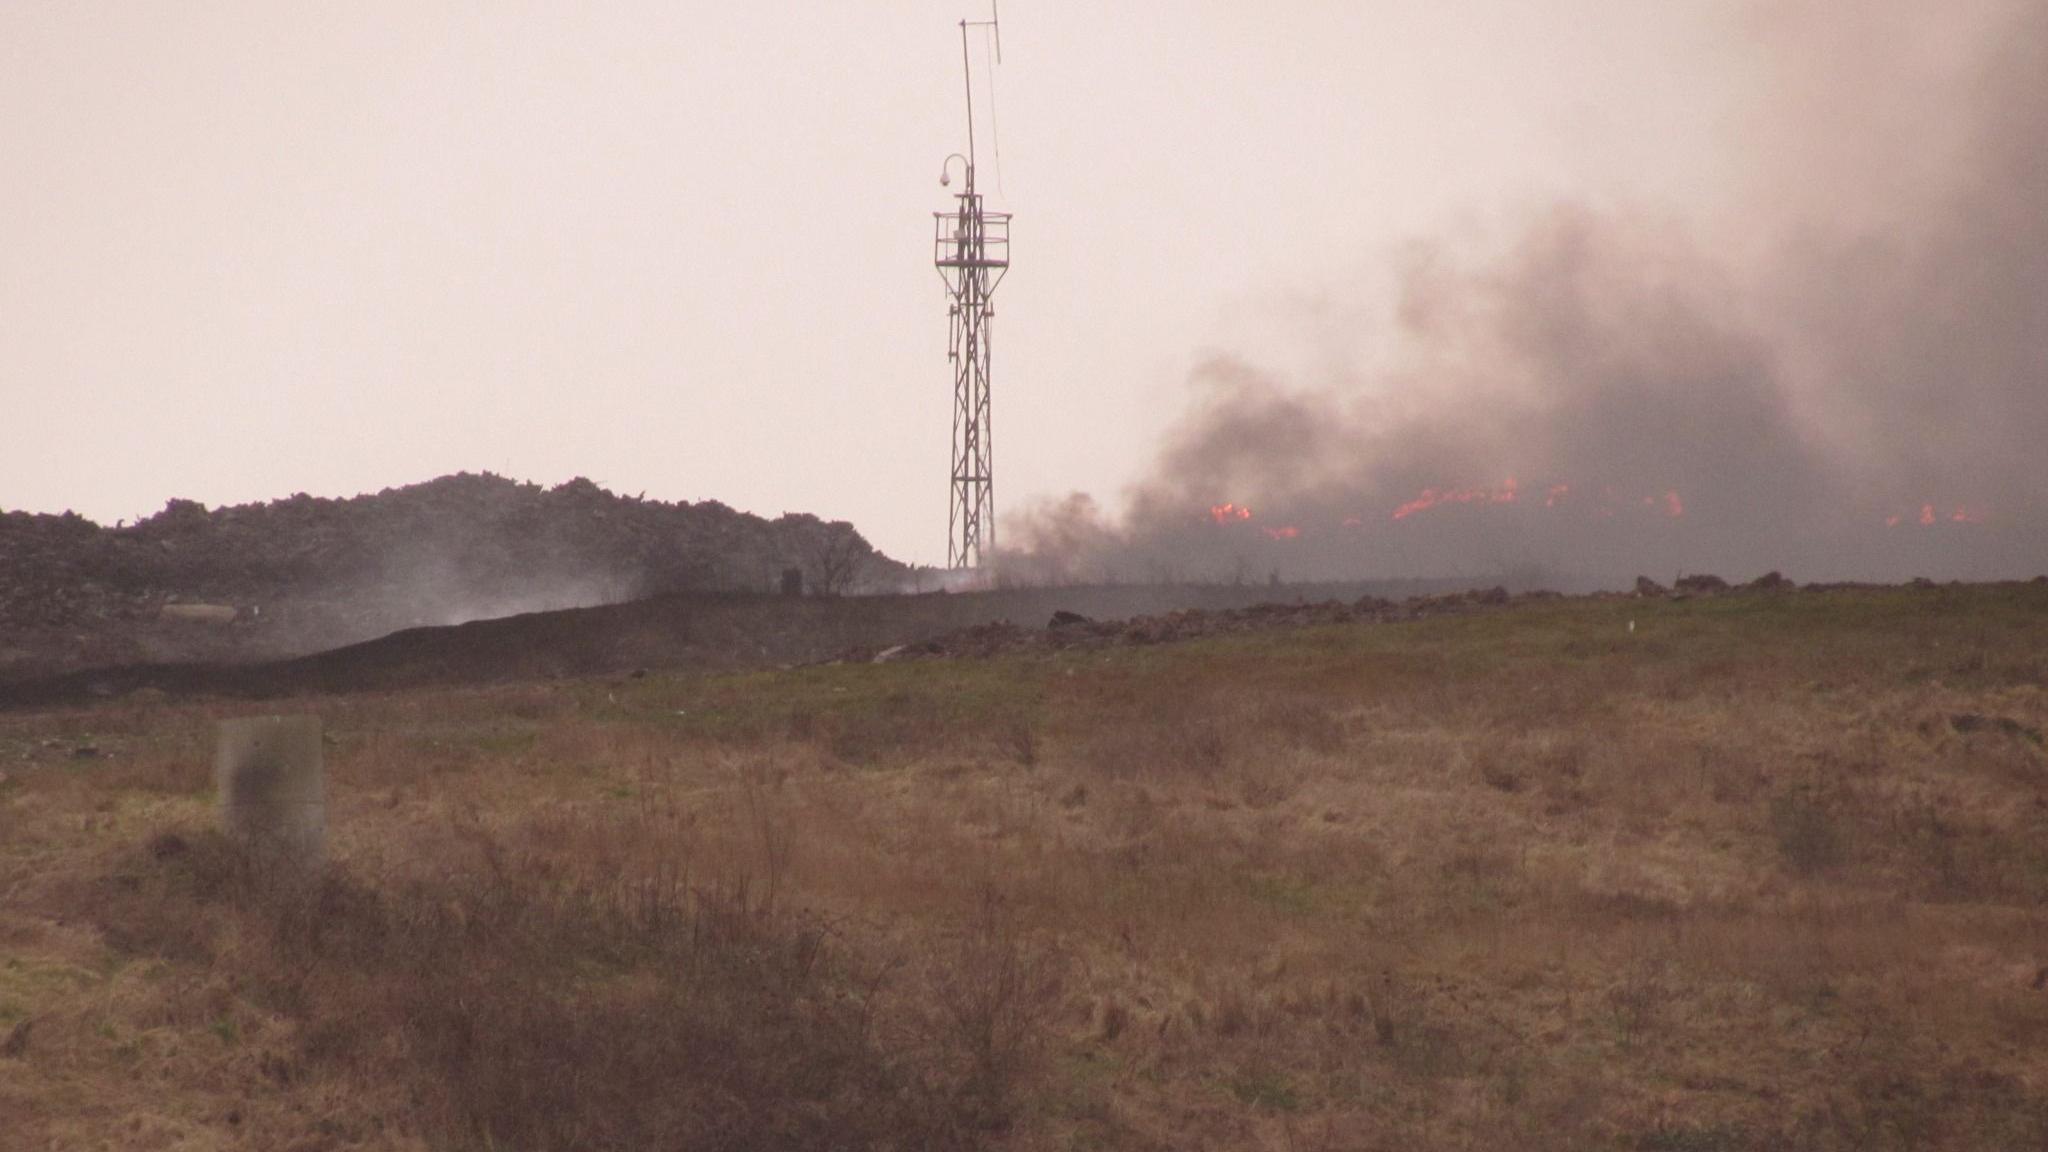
<point>297,575</point>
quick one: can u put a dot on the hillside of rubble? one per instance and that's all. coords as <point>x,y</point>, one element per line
<point>265,581</point>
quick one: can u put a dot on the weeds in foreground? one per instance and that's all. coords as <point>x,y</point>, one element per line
<point>530,1002</point>
<point>1765,874</point>
<point>995,994</point>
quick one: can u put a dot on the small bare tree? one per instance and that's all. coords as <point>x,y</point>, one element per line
<point>837,556</point>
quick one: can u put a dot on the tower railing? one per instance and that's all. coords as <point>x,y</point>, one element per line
<point>955,245</point>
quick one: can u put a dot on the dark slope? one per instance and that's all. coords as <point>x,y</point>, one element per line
<point>696,632</point>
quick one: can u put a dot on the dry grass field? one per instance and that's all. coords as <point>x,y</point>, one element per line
<point>1761,872</point>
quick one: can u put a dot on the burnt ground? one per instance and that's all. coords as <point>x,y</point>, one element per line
<point>716,632</point>
<point>726,632</point>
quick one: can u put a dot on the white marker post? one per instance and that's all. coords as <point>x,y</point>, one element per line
<point>272,787</point>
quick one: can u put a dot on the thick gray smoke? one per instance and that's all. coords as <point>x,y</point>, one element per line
<point>1610,395</point>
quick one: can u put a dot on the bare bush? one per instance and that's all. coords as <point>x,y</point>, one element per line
<point>995,995</point>
<point>539,1004</point>
<point>1808,825</point>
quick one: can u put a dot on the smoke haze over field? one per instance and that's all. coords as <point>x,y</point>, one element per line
<point>1780,258</point>
<point>1856,393</point>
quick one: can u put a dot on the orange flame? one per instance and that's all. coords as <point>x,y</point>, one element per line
<point>1284,532</point>
<point>1670,502</point>
<point>1224,513</point>
<point>1431,497</point>
<point>1929,516</point>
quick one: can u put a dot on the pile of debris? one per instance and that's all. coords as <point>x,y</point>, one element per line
<point>304,573</point>
<point>1070,630</point>
<point>1707,584</point>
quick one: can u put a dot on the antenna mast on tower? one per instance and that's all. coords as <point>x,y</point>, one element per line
<point>971,247</point>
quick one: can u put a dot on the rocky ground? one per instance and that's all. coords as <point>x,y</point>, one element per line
<point>1072,630</point>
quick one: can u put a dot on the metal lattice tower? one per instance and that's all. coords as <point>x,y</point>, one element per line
<point>971,248</point>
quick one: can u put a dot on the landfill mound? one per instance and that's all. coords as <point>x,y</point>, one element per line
<point>264,581</point>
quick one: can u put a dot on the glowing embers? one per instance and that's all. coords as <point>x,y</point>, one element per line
<point>1928,516</point>
<point>1431,497</point>
<point>1669,503</point>
<point>1665,505</point>
<point>1607,503</point>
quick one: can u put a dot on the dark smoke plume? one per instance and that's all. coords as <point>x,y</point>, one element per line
<point>1609,396</point>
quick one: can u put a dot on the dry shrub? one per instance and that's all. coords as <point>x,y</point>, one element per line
<point>1476,879</point>
<point>1809,827</point>
<point>996,997</point>
<point>1236,1010</point>
<point>557,1016</point>
<point>1204,735</point>
<point>535,1002</point>
<point>1295,722</point>
<point>894,727</point>
<point>1552,764</point>
<point>167,900</point>
<point>1637,1000</point>
<point>1951,857</point>
<point>1683,1136</point>
<point>160,773</point>
<point>1940,1103</point>
<point>1018,741</point>
<point>1161,746</point>
<point>1498,768</point>
<point>1726,776</point>
<point>1113,1019</point>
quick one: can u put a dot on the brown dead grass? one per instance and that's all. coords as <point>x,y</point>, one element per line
<point>1738,880</point>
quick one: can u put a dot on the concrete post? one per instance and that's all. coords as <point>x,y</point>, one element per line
<point>272,792</point>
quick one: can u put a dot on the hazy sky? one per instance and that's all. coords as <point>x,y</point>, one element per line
<point>253,249</point>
